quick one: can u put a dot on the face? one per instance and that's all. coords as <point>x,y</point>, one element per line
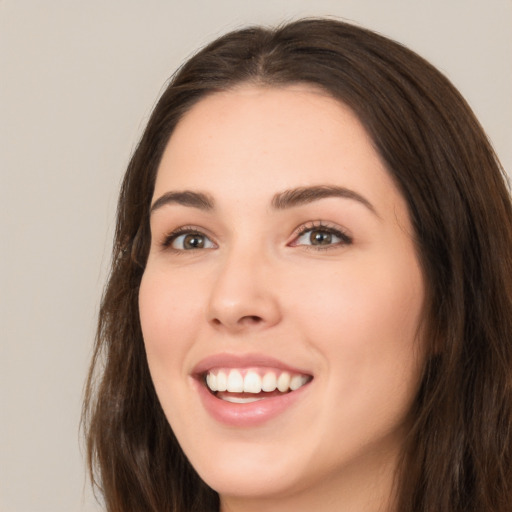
<point>282,297</point>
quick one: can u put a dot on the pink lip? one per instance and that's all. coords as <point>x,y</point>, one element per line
<point>250,414</point>
<point>243,361</point>
<point>247,415</point>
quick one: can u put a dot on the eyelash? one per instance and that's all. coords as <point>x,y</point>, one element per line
<point>173,235</point>
<point>300,231</point>
<point>326,228</point>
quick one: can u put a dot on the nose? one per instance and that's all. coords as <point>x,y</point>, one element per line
<point>244,295</point>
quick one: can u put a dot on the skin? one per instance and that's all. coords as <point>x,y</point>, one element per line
<point>347,313</point>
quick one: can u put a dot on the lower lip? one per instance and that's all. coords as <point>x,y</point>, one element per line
<point>249,414</point>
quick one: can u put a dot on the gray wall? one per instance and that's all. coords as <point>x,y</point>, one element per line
<point>77,82</point>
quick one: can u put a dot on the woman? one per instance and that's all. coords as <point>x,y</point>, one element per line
<point>310,301</point>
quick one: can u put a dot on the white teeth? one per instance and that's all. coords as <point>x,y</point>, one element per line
<point>240,400</point>
<point>252,382</point>
<point>211,381</point>
<point>297,381</point>
<point>234,382</point>
<point>283,382</point>
<point>269,382</point>
<point>222,382</point>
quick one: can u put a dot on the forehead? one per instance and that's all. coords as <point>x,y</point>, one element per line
<point>255,139</point>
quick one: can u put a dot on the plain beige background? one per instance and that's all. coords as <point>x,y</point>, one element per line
<point>77,82</point>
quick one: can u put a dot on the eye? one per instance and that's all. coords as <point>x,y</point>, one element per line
<point>321,237</point>
<point>187,240</point>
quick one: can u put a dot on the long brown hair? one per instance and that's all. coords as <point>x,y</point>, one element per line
<point>458,453</point>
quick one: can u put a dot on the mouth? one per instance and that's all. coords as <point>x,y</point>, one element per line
<point>248,390</point>
<point>247,385</point>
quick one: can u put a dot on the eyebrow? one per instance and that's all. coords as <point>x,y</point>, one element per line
<point>281,201</point>
<point>184,198</point>
<point>305,195</point>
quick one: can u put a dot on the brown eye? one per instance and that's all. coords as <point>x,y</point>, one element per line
<point>191,241</point>
<point>320,237</point>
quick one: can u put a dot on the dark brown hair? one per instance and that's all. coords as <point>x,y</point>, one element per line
<point>458,453</point>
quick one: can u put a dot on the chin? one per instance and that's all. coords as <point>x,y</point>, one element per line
<point>250,481</point>
<point>250,470</point>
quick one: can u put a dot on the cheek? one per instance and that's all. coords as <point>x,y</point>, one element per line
<point>168,313</point>
<point>364,300</point>
<point>364,323</point>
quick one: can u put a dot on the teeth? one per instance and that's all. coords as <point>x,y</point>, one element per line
<point>222,382</point>
<point>269,382</point>
<point>211,381</point>
<point>297,381</point>
<point>234,382</point>
<point>252,382</point>
<point>240,400</point>
<point>283,382</point>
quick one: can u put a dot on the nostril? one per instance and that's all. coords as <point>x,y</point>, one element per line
<point>242,321</point>
<point>251,319</point>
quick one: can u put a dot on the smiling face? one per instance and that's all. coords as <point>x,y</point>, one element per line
<point>281,260</point>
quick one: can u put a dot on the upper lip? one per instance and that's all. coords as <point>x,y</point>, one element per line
<point>229,360</point>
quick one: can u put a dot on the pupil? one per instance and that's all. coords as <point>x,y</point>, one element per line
<point>320,238</point>
<point>193,242</point>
